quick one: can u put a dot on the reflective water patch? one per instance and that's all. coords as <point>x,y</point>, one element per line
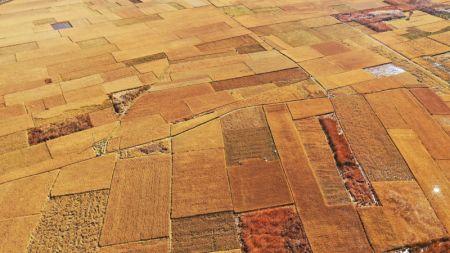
<point>385,70</point>
<point>61,25</point>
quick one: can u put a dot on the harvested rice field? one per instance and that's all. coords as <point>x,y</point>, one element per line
<point>225,126</point>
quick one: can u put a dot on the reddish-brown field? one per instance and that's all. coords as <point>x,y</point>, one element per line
<point>273,230</point>
<point>224,126</point>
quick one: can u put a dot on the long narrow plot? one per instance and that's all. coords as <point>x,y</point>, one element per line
<point>138,206</point>
<point>337,228</point>
<point>321,159</point>
<point>433,182</point>
<point>402,105</point>
<point>352,174</point>
<point>205,233</point>
<point>369,140</point>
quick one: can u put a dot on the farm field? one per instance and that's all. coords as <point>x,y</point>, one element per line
<point>231,126</point>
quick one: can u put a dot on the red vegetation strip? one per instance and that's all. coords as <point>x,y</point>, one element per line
<point>358,186</point>
<point>355,181</point>
<point>273,230</point>
<point>341,149</point>
<point>373,18</point>
<point>436,9</point>
<point>71,125</point>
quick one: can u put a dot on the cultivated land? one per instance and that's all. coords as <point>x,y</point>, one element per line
<point>224,126</point>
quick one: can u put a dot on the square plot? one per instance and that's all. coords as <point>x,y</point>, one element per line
<point>200,183</point>
<point>258,184</point>
<point>70,223</point>
<point>247,135</point>
<point>273,230</point>
<point>205,233</point>
<point>245,144</point>
<point>61,25</point>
